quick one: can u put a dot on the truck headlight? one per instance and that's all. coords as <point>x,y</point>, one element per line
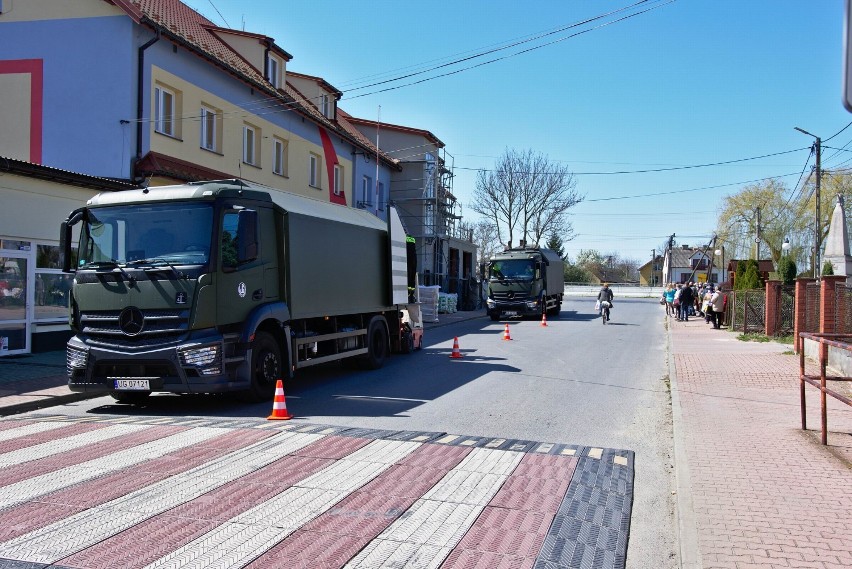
<point>532,303</point>
<point>206,359</point>
<point>75,358</point>
<point>491,303</point>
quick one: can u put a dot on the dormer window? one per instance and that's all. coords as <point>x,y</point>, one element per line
<point>324,105</point>
<point>273,71</point>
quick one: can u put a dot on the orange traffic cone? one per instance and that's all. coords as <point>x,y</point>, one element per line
<point>506,335</point>
<point>456,353</point>
<point>543,319</point>
<point>279,405</point>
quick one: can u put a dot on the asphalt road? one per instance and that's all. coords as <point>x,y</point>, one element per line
<point>575,381</point>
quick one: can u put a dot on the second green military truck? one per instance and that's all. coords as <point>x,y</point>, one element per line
<point>229,286</point>
<point>525,281</point>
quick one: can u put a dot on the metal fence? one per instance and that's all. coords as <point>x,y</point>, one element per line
<point>842,309</point>
<point>746,311</point>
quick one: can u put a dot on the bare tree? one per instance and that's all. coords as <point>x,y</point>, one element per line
<point>486,240</point>
<point>527,193</point>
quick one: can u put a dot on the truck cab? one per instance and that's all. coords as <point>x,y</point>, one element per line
<point>526,281</point>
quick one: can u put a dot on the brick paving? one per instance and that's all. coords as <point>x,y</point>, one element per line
<point>765,493</point>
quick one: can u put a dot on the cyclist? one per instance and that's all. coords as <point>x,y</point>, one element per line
<point>605,295</point>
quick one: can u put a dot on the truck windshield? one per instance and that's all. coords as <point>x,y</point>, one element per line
<point>513,269</point>
<point>160,233</point>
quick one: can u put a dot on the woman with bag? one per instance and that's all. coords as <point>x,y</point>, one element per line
<point>670,294</point>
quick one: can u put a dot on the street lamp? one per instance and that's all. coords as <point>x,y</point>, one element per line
<point>817,230</point>
<point>785,247</point>
<point>721,252</point>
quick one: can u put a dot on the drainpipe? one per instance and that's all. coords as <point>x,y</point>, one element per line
<point>140,75</point>
<point>266,61</point>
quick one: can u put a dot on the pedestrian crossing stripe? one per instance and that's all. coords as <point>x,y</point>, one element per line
<point>248,497</point>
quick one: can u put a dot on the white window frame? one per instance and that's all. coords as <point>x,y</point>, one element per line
<point>323,104</point>
<point>366,189</point>
<point>273,71</point>
<point>338,179</point>
<point>313,171</point>
<point>280,149</point>
<point>208,130</point>
<point>164,113</point>
<point>250,144</point>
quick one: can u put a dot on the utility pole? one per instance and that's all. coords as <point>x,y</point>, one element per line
<point>669,256</point>
<point>653,268</point>
<point>817,230</point>
<point>757,239</point>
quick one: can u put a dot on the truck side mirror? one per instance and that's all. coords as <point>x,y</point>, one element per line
<point>65,239</point>
<point>247,236</point>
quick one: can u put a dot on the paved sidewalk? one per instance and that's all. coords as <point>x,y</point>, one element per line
<point>763,492</point>
<point>33,381</point>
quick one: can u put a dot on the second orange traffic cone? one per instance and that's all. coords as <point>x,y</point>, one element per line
<point>456,352</point>
<point>543,319</point>
<point>279,404</point>
<point>506,335</point>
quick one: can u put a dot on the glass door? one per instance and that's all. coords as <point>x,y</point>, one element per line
<point>14,302</point>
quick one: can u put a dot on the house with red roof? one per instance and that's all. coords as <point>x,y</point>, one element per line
<point>151,92</point>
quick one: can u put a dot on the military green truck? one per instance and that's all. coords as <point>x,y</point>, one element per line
<point>228,286</point>
<point>525,281</point>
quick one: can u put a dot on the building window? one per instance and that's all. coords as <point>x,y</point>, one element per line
<point>323,104</point>
<point>279,160</point>
<point>165,110</point>
<point>313,174</point>
<point>210,129</point>
<point>366,191</point>
<point>251,145</point>
<point>273,71</point>
<point>338,179</point>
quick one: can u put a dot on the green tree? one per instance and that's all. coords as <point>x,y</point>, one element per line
<point>827,268</point>
<point>739,274</point>
<point>576,274</point>
<point>554,242</point>
<point>751,280</point>
<point>787,270</point>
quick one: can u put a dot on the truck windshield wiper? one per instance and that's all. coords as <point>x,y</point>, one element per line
<point>155,262</point>
<point>111,264</point>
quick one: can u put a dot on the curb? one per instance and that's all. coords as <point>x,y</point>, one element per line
<point>690,556</point>
<point>48,401</point>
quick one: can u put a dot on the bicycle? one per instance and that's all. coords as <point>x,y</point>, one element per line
<point>605,305</point>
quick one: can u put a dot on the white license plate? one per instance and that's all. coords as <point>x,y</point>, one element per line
<point>510,313</point>
<point>132,384</point>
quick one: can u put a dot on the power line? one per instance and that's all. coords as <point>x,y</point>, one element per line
<point>688,190</point>
<point>498,49</point>
<point>523,51</point>
<point>651,170</point>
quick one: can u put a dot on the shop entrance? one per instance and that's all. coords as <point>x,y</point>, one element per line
<point>15,301</point>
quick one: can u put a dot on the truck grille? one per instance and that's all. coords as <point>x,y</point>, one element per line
<point>134,327</point>
<point>510,296</point>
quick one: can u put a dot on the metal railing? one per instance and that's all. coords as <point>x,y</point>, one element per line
<point>821,381</point>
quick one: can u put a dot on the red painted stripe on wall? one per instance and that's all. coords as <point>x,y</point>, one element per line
<point>330,162</point>
<point>35,69</point>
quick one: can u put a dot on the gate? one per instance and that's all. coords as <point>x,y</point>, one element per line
<point>746,311</point>
<point>785,311</point>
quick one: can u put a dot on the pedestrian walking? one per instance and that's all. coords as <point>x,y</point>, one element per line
<point>717,304</point>
<point>686,298</point>
<point>670,294</point>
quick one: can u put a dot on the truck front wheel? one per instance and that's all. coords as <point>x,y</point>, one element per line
<point>494,315</point>
<point>265,368</point>
<point>377,344</point>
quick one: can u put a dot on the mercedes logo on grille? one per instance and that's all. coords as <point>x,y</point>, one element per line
<point>131,321</point>
<point>510,294</point>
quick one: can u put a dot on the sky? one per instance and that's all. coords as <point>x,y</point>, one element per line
<point>687,83</point>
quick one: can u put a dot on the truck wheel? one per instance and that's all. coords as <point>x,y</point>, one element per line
<point>135,398</point>
<point>377,345</point>
<point>265,368</point>
<point>494,315</point>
